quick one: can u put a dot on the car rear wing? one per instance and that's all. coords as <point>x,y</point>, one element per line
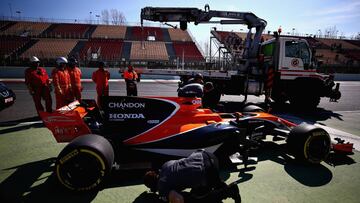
<point>66,123</point>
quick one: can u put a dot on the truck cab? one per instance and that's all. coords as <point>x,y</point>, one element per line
<point>292,54</point>
<point>295,76</point>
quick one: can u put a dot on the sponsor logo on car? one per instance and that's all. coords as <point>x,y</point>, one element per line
<point>153,121</point>
<point>128,105</point>
<point>5,93</point>
<point>53,119</point>
<point>8,100</point>
<point>123,116</point>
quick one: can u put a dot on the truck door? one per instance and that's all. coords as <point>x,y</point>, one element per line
<point>295,55</point>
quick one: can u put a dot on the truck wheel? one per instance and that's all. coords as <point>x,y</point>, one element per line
<point>84,163</point>
<point>309,143</point>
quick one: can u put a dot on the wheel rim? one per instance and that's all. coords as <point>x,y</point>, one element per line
<point>317,147</point>
<point>81,170</point>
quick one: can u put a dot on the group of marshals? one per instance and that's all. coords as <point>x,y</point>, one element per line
<point>66,80</point>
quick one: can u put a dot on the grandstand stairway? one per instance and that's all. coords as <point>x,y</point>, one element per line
<point>48,30</point>
<point>6,26</point>
<point>22,49</point>
<point>166,35</point>
<point>126,50</point>
<point>78,47</point>
<point>128,35</point>
<point>170,50</point>
<point>90,31</point>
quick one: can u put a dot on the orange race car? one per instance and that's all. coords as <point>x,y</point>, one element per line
<point>133,132</point>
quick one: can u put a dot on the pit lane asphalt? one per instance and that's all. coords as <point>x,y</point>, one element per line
<point>28,152</point>
<point>23,109</point>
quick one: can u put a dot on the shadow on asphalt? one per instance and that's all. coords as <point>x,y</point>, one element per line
<point>311,116</point>
<point>16,122</point>
<point>13,126</point>
<point>306,174</point>
<point>18,187</point>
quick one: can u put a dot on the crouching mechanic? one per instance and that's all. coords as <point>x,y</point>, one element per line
<point>199,171</point>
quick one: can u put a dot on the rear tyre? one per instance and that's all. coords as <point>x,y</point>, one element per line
<point>84,163</point>
<point>309,143</point>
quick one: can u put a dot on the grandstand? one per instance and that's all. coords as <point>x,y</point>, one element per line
<point>109,32</point>
<point>188,50</point>
<point>50,48</point>
<point>148,51</point>
<point>32,29</point>
<point>68,30</point>
<point>335,52</point>
<point>105,49</point>
<point>19,40</point>
<point>10,44</point>
<point>88,42</point>
<point>179,35</point>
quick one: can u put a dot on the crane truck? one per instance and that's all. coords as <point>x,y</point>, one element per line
<point>283,68</point>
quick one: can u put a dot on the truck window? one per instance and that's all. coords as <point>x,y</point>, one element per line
<point>297,50</point>
<point>304,53</point>
<point>268,49</point>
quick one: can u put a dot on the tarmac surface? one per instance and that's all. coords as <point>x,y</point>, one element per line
<point>28,151</point>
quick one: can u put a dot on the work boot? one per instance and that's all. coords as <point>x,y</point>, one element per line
<point>234,193</point>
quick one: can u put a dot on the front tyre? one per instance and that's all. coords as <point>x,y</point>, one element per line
<point>309,143</point>
<point>84,163</point>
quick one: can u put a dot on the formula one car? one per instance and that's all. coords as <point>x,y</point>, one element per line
<point>129,132</point>
<point>7,96</point>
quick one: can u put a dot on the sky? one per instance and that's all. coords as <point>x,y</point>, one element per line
<point>302,16</point>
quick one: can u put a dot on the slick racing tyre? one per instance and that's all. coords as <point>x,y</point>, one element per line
<point>309,143</point>
<point>84,163</point>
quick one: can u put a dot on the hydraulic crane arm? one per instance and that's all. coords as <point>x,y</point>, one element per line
<point>185,15</point>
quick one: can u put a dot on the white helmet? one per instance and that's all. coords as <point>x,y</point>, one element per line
<point>34,59</point>
<point>61,60</point>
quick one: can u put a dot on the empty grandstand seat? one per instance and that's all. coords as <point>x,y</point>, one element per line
<point>109,32</point>
<point>330,57</point>
<point>222,35</point>
<point>190,50</point>
<point>139,34</point>
<point>9,44</point>
<point>107,49</point>
<point>26,28</point>
<point>354,42</point>
<point>179,35</point>
<point>50,48</point>
<point>4,24</point>
<point>344,44</point>
<point>150,51</point>
<point>353,54</point>
<point>69,30</point>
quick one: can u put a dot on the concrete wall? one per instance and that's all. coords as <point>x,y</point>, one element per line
<point>18,72</point>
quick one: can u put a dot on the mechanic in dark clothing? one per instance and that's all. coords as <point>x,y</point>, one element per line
<point>211,96</point>
<point>199,171</point>
<point>199,79</point>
